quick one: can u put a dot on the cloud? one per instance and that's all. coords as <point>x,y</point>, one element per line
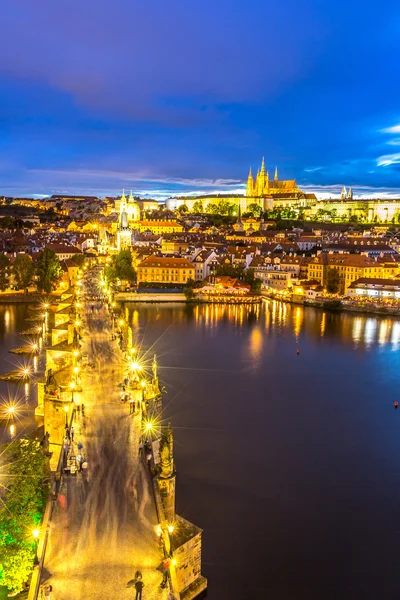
<point>139,177</point>
<point>393,129</point>
<point>388,159</point>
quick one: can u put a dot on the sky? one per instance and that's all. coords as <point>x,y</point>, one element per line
<point>175,97</point>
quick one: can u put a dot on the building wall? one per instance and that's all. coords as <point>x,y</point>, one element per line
<point>165,274</point>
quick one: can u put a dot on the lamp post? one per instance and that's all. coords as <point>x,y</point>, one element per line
<point>35,535</point>
<point>72,387</point>
<point>171,528</point>
<point>66,408</point>
<point>76,371</point>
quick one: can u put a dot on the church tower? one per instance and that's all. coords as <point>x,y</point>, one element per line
<point>344,193</point>
<point>124,232</point>
<point>262,181</point>
<point>276,178</point>
<point>250,185</point>
<point>350,194</point>
<point>133,209</point>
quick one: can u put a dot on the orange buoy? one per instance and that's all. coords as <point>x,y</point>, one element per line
<point>396,404</point>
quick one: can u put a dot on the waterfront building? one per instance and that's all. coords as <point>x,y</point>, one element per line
<point>162,269</point>
<point>380,289</point>
<point>350,268</point>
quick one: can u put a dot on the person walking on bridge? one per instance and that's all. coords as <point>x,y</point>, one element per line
<point>139,585</point>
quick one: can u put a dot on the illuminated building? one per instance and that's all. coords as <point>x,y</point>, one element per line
<point>263,191</point>
<point>161,269</point>
<point>124,232</point>
<point>350,268</point>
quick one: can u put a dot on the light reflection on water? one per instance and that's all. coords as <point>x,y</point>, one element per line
<point>273,316</point>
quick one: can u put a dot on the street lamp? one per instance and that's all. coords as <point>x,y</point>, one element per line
<point>72,387</point>
<point>36,533</point>
<point>76,371</point>
<point>66,408</point>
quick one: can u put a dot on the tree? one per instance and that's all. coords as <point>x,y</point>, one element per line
<point>182,209</point>
<point>255,209</point>
<point>21,510</point>
<point>333,280</point>
<point>4,265</point>
<point>121,267</point>
<point>48,271</point>
<point>198,207</point>
<point>23,270</point>
<point>79,260</point>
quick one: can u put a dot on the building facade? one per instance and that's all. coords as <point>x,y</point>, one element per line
<point>161,269</point>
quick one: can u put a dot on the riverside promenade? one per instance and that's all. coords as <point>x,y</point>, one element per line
<point>104,525</point>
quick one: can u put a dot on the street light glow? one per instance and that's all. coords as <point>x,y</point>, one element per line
<point>11,410</point>
<point>36,533</point>
<point>143,384</point>
<point>72,385</point>
<point>171,528</point>
<point>135,365</point>
<point>66,408</point>
<point>149,426</point>
<point>76,353</point>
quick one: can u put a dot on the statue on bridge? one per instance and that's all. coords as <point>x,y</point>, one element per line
<point>154,369</point>
<point>167,454</point>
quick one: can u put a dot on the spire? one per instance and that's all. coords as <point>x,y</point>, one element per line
<point>123,196</point>
<point>276,174</point>
<point>344,193</point>
<point>250,174</point>
<point>350,193</point>
<point>262,166</point>
<point>130,197</point>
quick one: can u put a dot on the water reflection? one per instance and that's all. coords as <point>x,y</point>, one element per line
<point>272,317</point>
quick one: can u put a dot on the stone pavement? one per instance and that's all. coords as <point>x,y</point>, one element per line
<point>104,524</point>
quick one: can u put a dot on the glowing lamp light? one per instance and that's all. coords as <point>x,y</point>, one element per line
<point>44,315</point>
<point>76,370</point>
<point>135,365</point>
<point>143,384</point>
<point>77,323</point>
<point>11,410</point>
<point>36,533</point>
<point>173,562</point>
<point>133,350</point>
<point>25,372</point>
<point>46,306</point>
<point>66,408</point>
<point>34,346</point>
<point>12,430</point>
<point>72,386</point>
<point>149,426</point>
<point>121,322</point>
<point>171,528</point>
<point>159,530</point>
<point>39,329</point>
<point>76,353</point>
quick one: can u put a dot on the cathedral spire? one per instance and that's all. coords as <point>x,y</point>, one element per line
<point>262,166</point>
<point>276,178</point>
<point>130,197</point>
<point>350,193</point>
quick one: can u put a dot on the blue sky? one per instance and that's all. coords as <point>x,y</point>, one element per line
<point>175,97</point>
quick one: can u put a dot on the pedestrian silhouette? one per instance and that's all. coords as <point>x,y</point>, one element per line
<point>139,585</point>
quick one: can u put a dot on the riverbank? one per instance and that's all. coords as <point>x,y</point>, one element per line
<point>336,305</point>
<point>158,297</point>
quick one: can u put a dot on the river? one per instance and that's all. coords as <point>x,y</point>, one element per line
<point>289,463</point>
